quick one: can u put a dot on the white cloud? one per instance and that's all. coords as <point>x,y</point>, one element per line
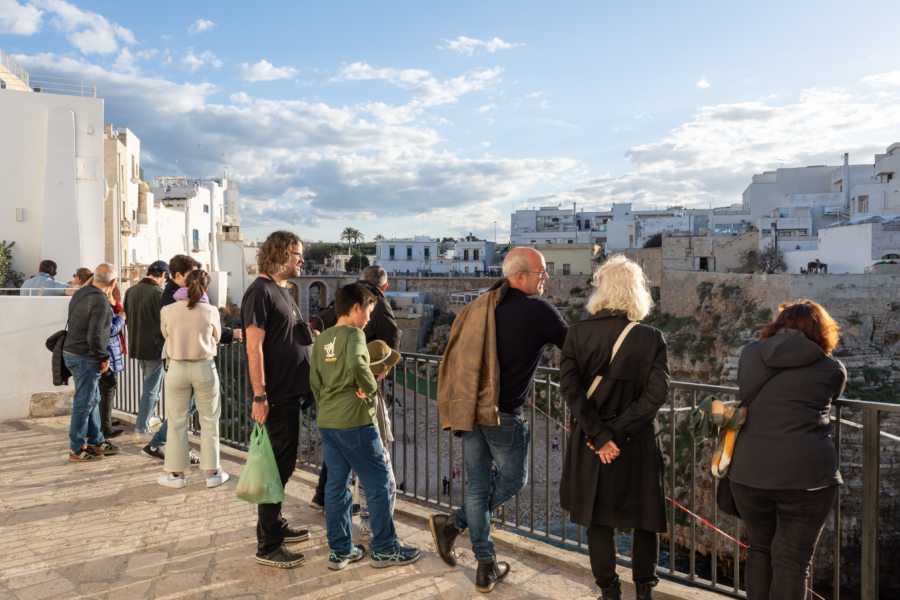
<point>468,46</point>
<point>200,25</point>
<point>486,108</point>
<point>264,71</point>
<point>16,19</point>
<point>889,79</point>
<point>87,31</point>
<point>711,158</point>
<point>703,83</point>
<point>191,62</point>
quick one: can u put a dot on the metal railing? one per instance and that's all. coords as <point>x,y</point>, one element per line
<point>13,67</point>
<point>423,456</point>
<point>63,85</point>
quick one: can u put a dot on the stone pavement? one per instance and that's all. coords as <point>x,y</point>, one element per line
<point>108,530</point>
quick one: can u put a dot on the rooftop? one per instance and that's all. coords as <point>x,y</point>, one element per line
<point>107,530</point>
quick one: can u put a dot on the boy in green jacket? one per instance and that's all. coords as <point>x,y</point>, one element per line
<point>344,386</point>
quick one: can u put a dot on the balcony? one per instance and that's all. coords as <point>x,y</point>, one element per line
<point>141,534</point>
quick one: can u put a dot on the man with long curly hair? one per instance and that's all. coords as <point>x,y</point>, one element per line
<point>278,344</point>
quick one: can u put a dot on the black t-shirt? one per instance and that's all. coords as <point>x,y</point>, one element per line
<point>525,324</point>
<point>286,353</point>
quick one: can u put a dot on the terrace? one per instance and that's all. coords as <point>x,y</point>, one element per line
<point>106,529</point>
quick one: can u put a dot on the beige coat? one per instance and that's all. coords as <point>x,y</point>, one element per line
<point>191,334</point>
<point>469,379</point>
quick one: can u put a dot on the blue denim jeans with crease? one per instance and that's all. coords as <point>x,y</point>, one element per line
<point>85,423</point>
<point>152,374</point>
<point>506,446</point>
<point>358,449</point>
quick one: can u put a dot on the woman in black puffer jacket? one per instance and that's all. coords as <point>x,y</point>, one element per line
<point>784,472</point>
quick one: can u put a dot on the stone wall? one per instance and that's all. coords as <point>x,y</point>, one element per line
<point>678,293</point>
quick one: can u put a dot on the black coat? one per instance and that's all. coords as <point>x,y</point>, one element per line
<point>628,492</point>
<point>145,340</point>
<point>786,441</point>
<point>382,324</point>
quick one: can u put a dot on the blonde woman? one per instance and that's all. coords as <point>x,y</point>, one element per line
<point>613,469</point>
<point>192,330</point>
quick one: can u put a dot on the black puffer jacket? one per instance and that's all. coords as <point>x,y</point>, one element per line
<point>786,441</point>
<point>89,321</point>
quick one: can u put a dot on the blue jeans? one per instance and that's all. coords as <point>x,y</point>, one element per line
<point>85,423</point>
<point>160,437</point>
<point>507,446</point>
<point>358,449</point>
<point>152,371</point>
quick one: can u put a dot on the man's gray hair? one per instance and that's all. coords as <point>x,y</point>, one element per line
<point>515,262</point>
<point>104,273</point>
<point>375,275</point>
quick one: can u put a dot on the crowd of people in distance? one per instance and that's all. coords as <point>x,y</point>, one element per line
<point>614,376</point>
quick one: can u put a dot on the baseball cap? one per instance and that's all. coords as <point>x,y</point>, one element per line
<point>159,265</point>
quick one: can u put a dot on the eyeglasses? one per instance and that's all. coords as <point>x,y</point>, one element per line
<point>540,274</point>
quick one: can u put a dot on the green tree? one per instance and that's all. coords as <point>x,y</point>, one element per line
<point>352,235</point>
<point>9,277</point>
<point>357,263</point>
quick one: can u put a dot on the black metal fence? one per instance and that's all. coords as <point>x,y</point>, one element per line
<point>430,469</point>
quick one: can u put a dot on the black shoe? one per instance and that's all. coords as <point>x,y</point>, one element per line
<point>111,433</point>
<point>611,592</point>
<point>293,535</point>
<point>489,573</point>
<point>444,531</point>
<point>115,422</point>
<point>318,502</point>
<point>644,591</point>
<point>104,448</point>
<point>281,558</point>
<point>154,452</point>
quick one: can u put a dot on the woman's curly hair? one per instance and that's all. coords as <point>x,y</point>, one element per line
<point>809,318</point>
<point>275,252</point>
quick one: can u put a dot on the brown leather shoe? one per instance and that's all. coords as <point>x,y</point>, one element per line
<point>444,531</point>
<point>489,573</point>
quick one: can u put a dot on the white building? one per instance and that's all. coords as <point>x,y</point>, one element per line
<point>851,246</point>
<point>410,255</point>
<point>51,172</point>
<point>473,257</point>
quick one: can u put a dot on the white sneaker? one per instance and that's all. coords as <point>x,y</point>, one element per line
<point>216,479</point>
<point>142,437</point>
<point>154,421</point>
<point>171,480</point>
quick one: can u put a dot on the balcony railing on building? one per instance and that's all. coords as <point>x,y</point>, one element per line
<point>847,561</point>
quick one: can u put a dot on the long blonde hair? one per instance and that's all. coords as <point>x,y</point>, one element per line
<point>620,284</point>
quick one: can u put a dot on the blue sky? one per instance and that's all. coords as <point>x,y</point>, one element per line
<point>406,118</point>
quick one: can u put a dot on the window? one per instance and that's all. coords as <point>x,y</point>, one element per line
<point>427,253</point>
<point>466,254</point>
<point>409,253</point>
<point>863,204</point>
<point>474,254</point>
<point>206,208</point>
<point>566,268</point>
<point>2,84</point>
<point>391,252</point>
<point>704,264</point>
<point>196,238</point>
<point>550,268</point>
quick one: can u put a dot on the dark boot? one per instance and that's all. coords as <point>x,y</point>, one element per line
<point>444,531</point>
<point>644,591</point>
<point>489,573</point>
<point>611,592</point>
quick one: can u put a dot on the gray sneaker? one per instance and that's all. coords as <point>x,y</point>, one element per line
<point>336,561</point>
<point>400,555</point>
<point>281,558</point>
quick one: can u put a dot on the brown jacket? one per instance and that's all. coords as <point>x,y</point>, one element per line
<point>469,379</point>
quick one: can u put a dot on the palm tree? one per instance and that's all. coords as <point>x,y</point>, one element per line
<point>352,235</point>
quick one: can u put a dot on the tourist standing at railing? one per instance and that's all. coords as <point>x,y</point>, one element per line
<point>44,284</point>
<point>81,277</point>
<point>192,330</point>
<point>116,349</point>
<point>345,386</point>
<point>87,358</point>
<point>613,468</point>
<point>784,471</point>
<point>146,341</point>
<point>495,346</point>
<point>278,343</point>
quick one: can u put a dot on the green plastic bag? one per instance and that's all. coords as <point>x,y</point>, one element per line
<point>260,482</point>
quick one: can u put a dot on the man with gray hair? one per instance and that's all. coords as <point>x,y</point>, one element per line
<point>85,354</point>
<point>495,345</point>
